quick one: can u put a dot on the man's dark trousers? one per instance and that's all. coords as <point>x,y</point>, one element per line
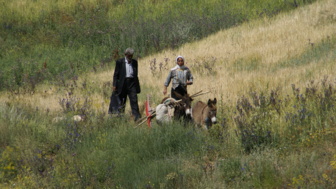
<point>129,89</point>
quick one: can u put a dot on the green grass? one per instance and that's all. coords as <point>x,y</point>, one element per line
<point>273,140</point>
<point>93,153</point>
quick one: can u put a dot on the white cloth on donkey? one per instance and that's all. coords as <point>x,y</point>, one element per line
<point>165,111</point>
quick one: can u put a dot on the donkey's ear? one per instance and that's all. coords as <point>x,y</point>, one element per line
<point>188,96</point>
<point>215,100</point>
<point>209,102</point>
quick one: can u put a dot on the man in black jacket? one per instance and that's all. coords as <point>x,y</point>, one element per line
<point>126,83</point>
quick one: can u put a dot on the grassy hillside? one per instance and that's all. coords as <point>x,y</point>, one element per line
<point>53,40</point>
<point>273,76</point>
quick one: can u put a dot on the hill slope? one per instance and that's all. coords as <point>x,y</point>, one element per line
<point>260,54</point>
<point>252,55</point>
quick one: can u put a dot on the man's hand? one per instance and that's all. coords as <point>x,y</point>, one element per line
<point>114,88</point>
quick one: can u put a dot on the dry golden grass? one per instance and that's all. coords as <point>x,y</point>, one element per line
<point>269,41</point>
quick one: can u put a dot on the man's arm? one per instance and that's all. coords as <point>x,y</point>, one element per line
<point>136,67</point>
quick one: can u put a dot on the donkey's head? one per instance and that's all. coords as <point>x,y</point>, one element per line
<point>184,106</point>
<point>212,111</point>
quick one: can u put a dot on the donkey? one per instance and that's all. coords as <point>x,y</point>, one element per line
<point>205,114</point>
<point>181,108</point>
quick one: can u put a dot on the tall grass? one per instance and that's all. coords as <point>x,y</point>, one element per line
<point>95,153</point>
<point>270,140</point>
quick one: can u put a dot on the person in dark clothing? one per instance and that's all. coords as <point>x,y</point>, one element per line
<point>125,83</point>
